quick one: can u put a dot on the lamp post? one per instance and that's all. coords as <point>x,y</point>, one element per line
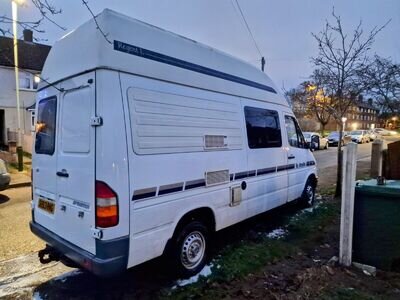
<point>14,9</point>
<point>394,119</point>
<point>344,119</point>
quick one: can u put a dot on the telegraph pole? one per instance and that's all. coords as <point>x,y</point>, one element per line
<point>262,63</point>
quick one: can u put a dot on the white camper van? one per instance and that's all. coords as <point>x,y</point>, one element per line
<point>148,143</point>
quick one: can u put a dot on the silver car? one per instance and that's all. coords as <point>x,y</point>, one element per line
<point>359,136</point>
<point>316,141</point>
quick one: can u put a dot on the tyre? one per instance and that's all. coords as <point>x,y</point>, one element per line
<point>308,196</point>
<point>190,249</point>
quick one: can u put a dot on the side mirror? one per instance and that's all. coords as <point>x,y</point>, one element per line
<point>310,146</point>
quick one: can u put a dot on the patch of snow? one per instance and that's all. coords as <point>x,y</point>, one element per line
<point>205,272</point>
<point>64,277</point>
<point>37,296</point>
<point>277,233</point>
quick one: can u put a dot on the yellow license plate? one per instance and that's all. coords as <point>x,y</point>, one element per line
<point>46,205</point>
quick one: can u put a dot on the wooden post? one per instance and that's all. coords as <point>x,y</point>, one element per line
<point>376,158</point>
<point>348,187</point>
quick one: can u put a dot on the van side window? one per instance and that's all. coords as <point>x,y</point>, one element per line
<point>263,129</point>
<point>46,126</point>
<point>295,137</point>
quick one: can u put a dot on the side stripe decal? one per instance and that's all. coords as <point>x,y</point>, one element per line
<point>198,183</point>
<point>162,58</point>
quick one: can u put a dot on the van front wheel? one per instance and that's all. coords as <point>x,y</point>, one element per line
<point>308,196</point>
<point>190,249</point>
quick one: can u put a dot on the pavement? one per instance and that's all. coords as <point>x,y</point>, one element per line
<point>20,179</point>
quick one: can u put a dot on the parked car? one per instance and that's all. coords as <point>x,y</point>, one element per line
<point>4,176</point>
<point>359,136</point>
<point>382,131</point>
<point>145,149</point>
<point>316,141</point>
<point>373,135</point>
<point>333,138</point>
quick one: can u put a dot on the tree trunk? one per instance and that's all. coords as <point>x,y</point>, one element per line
<point>322,129</point>
<point>338,191</point>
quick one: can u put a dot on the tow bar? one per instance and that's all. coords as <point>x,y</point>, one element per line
<point>48,255</point>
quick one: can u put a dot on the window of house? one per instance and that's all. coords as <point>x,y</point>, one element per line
<point>28,81</point>
<point>295,136</point>
<point>263,129</point>
<point>24,80</point>
<point>46,126</point>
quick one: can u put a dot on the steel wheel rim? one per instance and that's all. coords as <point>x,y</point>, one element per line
<point>193,250</point>
<point>310,194</point>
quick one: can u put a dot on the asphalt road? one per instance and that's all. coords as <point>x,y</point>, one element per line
<point>328,158</point>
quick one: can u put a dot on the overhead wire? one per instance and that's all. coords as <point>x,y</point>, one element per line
<point>247,26</point>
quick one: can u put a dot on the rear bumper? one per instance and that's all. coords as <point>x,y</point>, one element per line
<point>111,258</point>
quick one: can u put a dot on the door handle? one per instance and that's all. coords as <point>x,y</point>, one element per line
<point>63,173</point>
<point>291,156</point>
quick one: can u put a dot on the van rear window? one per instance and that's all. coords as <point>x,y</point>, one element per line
<point>46,126</point>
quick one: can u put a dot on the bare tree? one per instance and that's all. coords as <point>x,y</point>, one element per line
<point>310,99</point>
<point>340,57</point>
<point>47,12</point>
<point>105,35</point>
<point>381,78</point>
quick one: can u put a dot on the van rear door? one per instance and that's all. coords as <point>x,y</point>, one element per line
<point>64,168</point>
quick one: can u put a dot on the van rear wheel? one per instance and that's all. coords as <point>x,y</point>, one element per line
<point>190,249</point>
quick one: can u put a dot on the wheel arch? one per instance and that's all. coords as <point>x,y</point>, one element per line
<point>202,214</point>
<point>314,179</point>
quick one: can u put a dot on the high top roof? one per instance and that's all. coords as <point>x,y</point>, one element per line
<point>139,48</point>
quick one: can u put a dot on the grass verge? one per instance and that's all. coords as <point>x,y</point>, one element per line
<point>13,167</point>
<point>247,257</point>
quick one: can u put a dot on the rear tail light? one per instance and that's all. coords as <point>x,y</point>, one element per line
<point>106,206</point>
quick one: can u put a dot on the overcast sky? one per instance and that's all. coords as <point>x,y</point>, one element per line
<point>282,28</point>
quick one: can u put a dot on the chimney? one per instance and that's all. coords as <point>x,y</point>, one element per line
<point>28,35</point>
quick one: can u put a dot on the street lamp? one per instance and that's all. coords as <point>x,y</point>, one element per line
<point>14,9</point>
<point>394,119</point>
<point>344,119</point>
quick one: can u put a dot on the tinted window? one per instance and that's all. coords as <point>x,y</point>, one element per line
<point>263,130</point>
<point>46,126</point>
<point>295,137</point>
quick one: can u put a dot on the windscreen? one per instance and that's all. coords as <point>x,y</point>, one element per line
<point>334,133</point>
<point>46,126</point>
<point>357,132</point>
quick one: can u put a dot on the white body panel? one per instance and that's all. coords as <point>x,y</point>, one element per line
<point>173,137</point>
